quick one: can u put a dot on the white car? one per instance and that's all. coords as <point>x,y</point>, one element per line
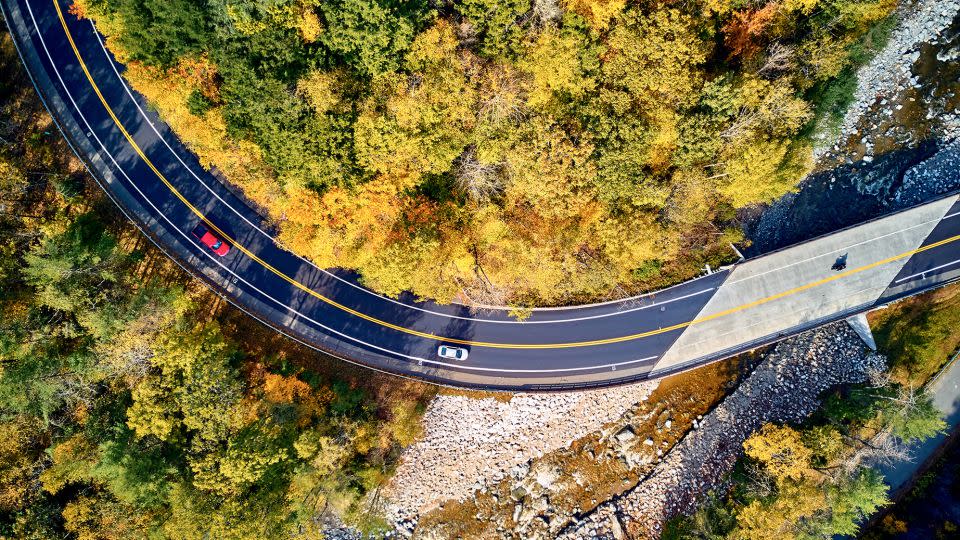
<point>452,353</point>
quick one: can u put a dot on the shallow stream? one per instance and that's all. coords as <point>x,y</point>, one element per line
<point>867,181</point>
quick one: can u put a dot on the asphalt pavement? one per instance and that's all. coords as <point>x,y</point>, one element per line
<point>161,186</point>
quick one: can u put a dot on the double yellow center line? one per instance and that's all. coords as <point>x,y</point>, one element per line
<point>428,335</point>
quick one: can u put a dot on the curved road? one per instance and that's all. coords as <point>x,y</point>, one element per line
<point>162,188</point>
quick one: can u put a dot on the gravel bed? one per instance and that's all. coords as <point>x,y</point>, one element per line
<point>469,442</point>
<point>890,72</point>
<point>784,388</point>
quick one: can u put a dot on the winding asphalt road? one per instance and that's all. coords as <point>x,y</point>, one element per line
<point>161,187</point>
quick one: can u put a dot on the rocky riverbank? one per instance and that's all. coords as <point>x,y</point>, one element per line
<point>891,72</point>
<point>784,388</point>
<point>905,111</point>
<point>469,443</point>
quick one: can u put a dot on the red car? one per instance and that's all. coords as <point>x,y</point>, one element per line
<point>208,239</point>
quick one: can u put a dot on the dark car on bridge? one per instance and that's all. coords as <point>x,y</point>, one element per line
<point>207,238</point>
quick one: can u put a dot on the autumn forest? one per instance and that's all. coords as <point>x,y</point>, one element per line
<point>500,151</point>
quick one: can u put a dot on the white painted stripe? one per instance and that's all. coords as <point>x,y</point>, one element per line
<point>153,127</point>
<point>228,284</point>
<point>935,268</point>
<point>845,248</point>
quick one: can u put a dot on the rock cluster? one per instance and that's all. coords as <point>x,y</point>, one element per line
<point>939,174</point>
<point>783,388</point>
<point>468,443</point>
<point>890,72</point>
<point>333,528</point>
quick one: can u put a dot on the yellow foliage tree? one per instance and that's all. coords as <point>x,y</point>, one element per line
<point>770,107</point>
<point>803,6</point>
<point>18,451</point>
<point>242,464</point>
<point>647,239</point>
<point>655,60</point>
<point>824,57</point>
<point>192,389</point>
<point>153,410</point>
<point>72,460</point>
<point>599,13</point>
<point>324,90</point>
<point>128,352</point>
<point>781,451</point>
<point>346,226</point>
<point>692,199</point>
<point>98,517</point>
<point>551,174</point>
<point>762,170</point>
<point>553,62</point>
<point>794,502</point>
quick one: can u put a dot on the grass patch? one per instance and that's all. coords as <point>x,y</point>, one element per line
<point>867,47</point>
<point>833,97</point>
<point>919,334</point>
<point>831,100</point>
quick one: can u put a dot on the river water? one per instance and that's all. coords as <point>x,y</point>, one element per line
<point>860,189</point>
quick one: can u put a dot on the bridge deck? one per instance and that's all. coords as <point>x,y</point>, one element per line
<point>788,288</point>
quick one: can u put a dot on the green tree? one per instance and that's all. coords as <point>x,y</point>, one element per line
<point>496,25</point>
<point>156,31</point>
<point>68,270</point>
<point>912,416</point>
<point>371,36</point>
<point>849,503</point>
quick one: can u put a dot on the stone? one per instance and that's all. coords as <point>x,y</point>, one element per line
<point>625,434</point>
<point>616,529</point>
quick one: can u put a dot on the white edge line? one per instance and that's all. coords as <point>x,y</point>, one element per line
<point>951,263</point>
<point>874,239</point>
<point>153,127</point>
<point>230,285</point>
